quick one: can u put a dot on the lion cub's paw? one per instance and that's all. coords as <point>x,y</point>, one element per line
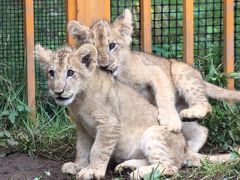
<point>174,126</point>
<point>131,164</point>
<point>69,168</point>
<point>197,111</point>
<point>90,173</point>
<point>141,172</point>
<point>172,121</point>
<point>122,167</point>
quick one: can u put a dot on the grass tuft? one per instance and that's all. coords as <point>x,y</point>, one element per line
<point>53,136</point>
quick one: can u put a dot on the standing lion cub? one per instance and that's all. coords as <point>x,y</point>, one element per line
<point>112,120</point>
<point>149,74</point>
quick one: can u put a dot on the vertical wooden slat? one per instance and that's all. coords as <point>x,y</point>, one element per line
<point>146,28</point>
<point>29,51</point>
<point>71,11</point>
<point>188,30</point>
<point>228,13</point>
<point>107,8</point>
<point>89,11</point>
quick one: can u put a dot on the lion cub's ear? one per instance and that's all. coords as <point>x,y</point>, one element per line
<point>87,54</point>
<point>78,31</point>
<point>123,24</point>
<point>43,55</point>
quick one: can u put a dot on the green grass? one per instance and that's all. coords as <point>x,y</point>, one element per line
<point>53,136</point>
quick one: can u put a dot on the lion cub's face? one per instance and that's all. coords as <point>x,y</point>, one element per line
<point>67,70</point>
<point>111,40</point>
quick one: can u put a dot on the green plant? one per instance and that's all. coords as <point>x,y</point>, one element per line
<point>52,136</point>
<point>12,107</point>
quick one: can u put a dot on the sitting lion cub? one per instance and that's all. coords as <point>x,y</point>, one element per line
<point>112,120</point>
<point>146,72</point>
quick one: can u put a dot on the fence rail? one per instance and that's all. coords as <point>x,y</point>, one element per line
<point>228,27</point>
<point>89,11</point>
<point>188,30</point>
<point>29,49</point>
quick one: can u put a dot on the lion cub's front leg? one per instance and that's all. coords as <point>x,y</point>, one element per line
<point>83,146</point>
<point>103,146</point>
<point>165,100</point>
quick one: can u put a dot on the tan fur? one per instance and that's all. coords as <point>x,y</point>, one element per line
<point>146,72</point>
<point>112,120</point>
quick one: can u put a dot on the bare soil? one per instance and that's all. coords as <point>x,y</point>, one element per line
<point>22,167</point>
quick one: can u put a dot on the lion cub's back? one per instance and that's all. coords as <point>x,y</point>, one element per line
<point>149,60</point>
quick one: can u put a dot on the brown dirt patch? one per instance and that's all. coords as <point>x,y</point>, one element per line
<point>20,167</point>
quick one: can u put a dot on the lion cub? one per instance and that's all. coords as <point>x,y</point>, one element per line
<point>149,74</point>
<point>112,120</point>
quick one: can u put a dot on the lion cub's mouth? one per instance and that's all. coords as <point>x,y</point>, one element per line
<point>60,98</point>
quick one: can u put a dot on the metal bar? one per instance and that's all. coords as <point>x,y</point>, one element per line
<point>188,30</point>
<point>29,49</point>
<point>228,61</point>
<point>146,27</point>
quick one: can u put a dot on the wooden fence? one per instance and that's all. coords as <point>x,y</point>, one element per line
<point>88,11</point>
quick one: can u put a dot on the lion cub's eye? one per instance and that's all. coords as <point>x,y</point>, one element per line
<point>70,73</point>
<point>51,73</point>
<point>112,46</point>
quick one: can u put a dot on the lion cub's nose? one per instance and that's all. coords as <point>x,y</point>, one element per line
<point>58,91</point>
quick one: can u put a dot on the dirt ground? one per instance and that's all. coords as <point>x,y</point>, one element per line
<point>22,167</point>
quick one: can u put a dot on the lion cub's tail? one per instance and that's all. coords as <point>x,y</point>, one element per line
<point>216,92</point>
<point>194,158</point>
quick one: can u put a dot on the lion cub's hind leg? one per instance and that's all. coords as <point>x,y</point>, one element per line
<point>164,151</point>
<point>195,159</point>
<point>195,135</point>
<point>189,84</point>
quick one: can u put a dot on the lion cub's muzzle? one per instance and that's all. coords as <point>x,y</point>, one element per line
<point>63,97</point>
<point>60,98</point>
<point>112,67</point>
<point>105,68</point>
<point>59,92</point>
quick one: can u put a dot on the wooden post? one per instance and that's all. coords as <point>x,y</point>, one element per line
<point>29,54</point>
<point>228,15</point>
<point>146,28</point>
<point>89,11</point>
<point>188,30</point>
<point>71,11</point>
